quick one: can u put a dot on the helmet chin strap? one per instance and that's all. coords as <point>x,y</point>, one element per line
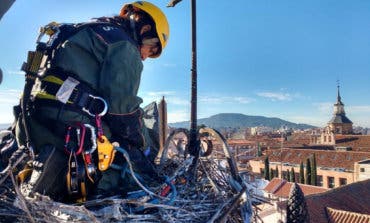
<point>138,37</point>
<point>133,27</point>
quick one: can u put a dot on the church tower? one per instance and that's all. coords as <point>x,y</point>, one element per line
<point>340,124</point>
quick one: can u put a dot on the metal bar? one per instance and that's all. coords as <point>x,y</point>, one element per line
<point>194,145</point>
<point>193,117</point>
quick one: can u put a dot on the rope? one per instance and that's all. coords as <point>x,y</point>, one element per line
<point>128,161</point>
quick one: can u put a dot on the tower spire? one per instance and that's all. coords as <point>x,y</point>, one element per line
<point>340,123</point>
<point>339,99</point>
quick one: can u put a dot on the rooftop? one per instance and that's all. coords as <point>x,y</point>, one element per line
<point>337,216</point>
<point>353,197</point>
<point>281,188</point>
<point>327,159</point>
<point>356,142</point>
<point>343,203</point>
<point>340,119</point>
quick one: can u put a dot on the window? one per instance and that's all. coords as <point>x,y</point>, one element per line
<point>342,181</point>
<point>324,138</point>
<point>331,182</point>
<point>362,170</point>
<point>319,181</point>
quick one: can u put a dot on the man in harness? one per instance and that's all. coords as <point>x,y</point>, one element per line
<point>83,101</point>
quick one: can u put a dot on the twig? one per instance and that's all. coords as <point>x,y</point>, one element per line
<point>232,206</point>
<point>216,215</point>
<point>21,198</point>
<point>8,170</point>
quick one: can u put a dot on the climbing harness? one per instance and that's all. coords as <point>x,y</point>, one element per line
<point>58,88</point>
<point>37,67</point>
<point>50,86</point>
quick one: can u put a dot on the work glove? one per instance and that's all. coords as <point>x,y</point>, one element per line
<point>126,128</point>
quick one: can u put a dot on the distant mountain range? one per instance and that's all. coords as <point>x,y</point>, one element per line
<point>4,126</point>
<point>235,120</point>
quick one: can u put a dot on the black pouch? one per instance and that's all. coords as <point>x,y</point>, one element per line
<point>48,174</point>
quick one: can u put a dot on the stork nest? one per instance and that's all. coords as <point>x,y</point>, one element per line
<point>211,197</point>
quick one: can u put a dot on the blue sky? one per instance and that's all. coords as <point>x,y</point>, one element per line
<point>256,57</point>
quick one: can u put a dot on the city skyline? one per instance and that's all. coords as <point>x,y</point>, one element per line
<point>274,59</point>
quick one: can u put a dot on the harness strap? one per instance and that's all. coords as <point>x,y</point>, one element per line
<point>76,95</point>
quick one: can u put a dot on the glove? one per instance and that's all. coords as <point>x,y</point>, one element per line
<point>127,128</point>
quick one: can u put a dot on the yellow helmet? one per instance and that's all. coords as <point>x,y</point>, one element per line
<point>161,24</point>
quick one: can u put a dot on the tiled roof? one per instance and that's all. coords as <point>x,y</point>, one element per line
<point>353,197</point>
<point>356,142</point>
<point>339,216</point>
<point>299,139</point>
<point>281,188</point>
<point>339,119</point>
<point>330,159</point>
<point>254,140</point>
<point>240,142</point>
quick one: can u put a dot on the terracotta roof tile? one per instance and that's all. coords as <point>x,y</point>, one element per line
<point>281,188</point>
<point>356,142</point>
<point>353,197</point>
<point>330,159</point>
<point>339,216</point>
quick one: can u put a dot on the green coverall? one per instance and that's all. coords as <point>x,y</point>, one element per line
<point>107,59</point>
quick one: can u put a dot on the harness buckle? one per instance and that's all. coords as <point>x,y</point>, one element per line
<point>102,113</point>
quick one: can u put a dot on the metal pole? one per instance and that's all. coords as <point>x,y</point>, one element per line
<point>193,144</point>
<point>193,115</point>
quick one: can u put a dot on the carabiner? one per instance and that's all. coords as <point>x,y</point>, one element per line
<point>103,112</point>
<point>80,138</point>
<point>92,138</point>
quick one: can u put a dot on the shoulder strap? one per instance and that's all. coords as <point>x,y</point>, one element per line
<point>61,32</point>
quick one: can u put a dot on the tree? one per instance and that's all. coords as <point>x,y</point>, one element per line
<point>276,171</point>
<point>313,171</point>
<point>259,151</point>
<point>288,175</point>
<point>271,173</point>
<point>267,168</point>
<point>308,172</point>
<point>292,175</point>
<point>301,174</point>
<point>297,207</point>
